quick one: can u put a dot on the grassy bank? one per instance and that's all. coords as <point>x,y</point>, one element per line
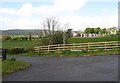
<point>81,53</point>
<point>73,53</point>
<point>10,66</point>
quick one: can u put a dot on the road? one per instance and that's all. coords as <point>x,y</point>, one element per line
<point>93,68</point>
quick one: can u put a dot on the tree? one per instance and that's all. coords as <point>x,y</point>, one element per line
<point>92,30</point>
<point>103,31</point>
<point>6,37</point>
<point>51,24</point>
<point>65,27</point>
<point>30,36</point>
<point>58,37</point>
<point>97,30</point>
<point>69,33</point>
<point>87,31</point>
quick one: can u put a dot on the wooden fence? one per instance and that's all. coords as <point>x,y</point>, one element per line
<point>93,46</point>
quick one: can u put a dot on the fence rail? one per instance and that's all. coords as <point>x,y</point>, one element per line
<point>93,46</point>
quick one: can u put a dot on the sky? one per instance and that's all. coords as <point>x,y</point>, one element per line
<point>80,14</point>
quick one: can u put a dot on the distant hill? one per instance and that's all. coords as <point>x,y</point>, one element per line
<point>21,32</point>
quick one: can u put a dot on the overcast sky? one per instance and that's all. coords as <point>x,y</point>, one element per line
<point>28,14</point>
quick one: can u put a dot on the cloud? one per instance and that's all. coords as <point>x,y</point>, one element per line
<point>25,10</point>
<point>58,6</point>
<point>25,17</point>
<point>82,22</point>
<point>44,10</point>
<point>7,11</point>
<point>76,22</point>
<point>68,5</point>
<point>105,10</point>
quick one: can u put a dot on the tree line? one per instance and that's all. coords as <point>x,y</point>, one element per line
<point>98,30</point>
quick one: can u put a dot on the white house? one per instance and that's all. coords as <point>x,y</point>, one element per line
<point>113,31</point>
<point>74,34</point>
<point>88,35</point>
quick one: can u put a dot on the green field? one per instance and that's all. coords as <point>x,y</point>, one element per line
<point>10,66</point>
<point>29,45</point>
<point>33,43</point>
<point>96,39</point>
<point>0,67</point>
<point>22,44</point>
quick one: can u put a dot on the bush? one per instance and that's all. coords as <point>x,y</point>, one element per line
<point>30,50</point>
<point>15,50</point>
<point>45,41</point>
<point>56,38</point>
<point>16,38</point>
<point>24,38</point>
<point>13,59</point>
<point>6,37</point>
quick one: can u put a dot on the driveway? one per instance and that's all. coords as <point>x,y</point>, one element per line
<point>93,68</point>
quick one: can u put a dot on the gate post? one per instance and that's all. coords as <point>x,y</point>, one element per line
<point>4,51</point>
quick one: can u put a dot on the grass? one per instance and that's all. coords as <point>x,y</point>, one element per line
<point>22,44</point>
<point>10,66</point>
<point>31,44</point>
<point>95,39</point>
<point>82,53</point>
<point>0,67</point>
<point>25,54</point>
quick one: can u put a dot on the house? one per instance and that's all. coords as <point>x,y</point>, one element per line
<point>88,35</point>
<point>74,33</point>
<point>112,31</point>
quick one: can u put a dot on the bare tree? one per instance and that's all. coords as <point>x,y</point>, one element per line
<point>65,27</point>
<point>51,24</point>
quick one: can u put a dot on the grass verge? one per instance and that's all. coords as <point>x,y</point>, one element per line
<point>70,53</point>
<point>82,53</point>
<point>11,65</point>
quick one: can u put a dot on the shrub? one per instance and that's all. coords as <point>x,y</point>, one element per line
<point>16,38</point>
<point>6,37</point>
<point>13,59</point>
<point>45,41</point>
<point>30,50</point>
<point>15,50</point>
<point>24,38</point>
<point>56,38</point>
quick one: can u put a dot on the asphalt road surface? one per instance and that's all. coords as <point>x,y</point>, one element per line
<point>94,68</point>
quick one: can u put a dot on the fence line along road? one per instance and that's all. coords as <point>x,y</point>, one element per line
<point>93,46</point>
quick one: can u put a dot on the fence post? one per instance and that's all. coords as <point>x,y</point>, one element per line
<point>38,49</point>
<point>105,46</point>
<point>63,46</point>
<point>58,48</point>
<point>4,54</point>
<point>73,46</point>
<point>48,48</point>
<point>88,47</point>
